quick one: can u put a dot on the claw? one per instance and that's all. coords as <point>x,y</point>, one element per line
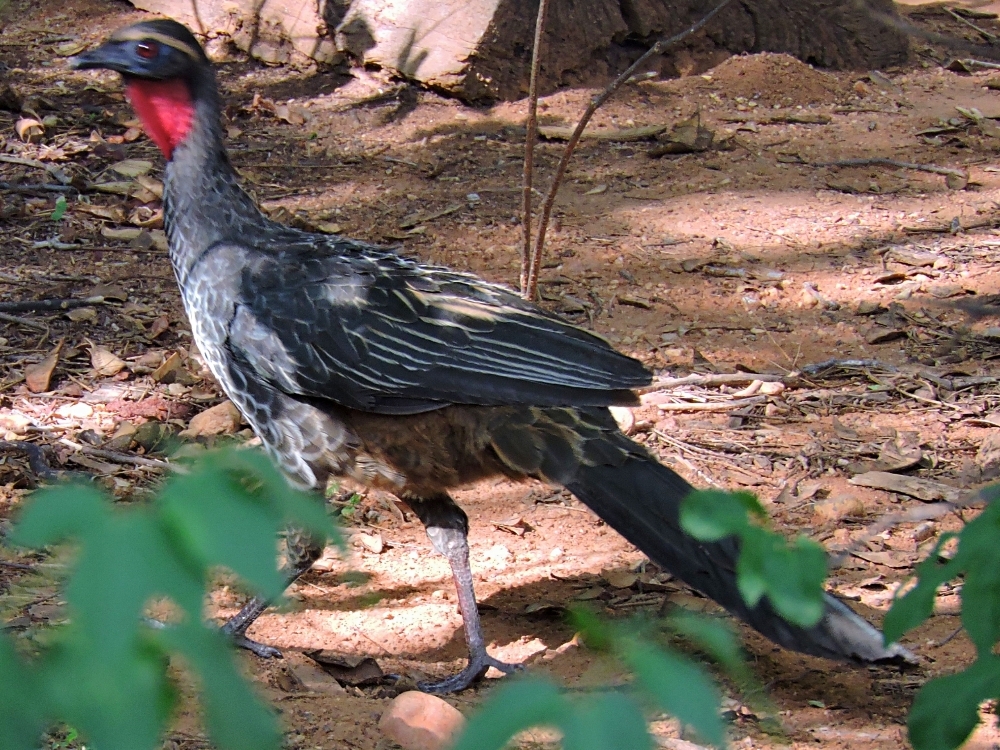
<point>477,667</point>
<point>260,649</point>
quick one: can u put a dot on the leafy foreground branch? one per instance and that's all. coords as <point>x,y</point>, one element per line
<point>946,710</point>
<point>790,575</point>
<point>105,672</point>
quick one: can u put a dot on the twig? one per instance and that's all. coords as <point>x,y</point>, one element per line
<point>10,187</point>
<point>713,406</point>
<point>969,62</point>
<point>16,566</point>
<point>49,305</point>
<point>848,364</point>
<point>59,174</point>
<point>714,379</point>
<point>36,458</point>
<point>878,161</point>
<point>982,32</point>
<point>527,290</point>
<point>920,513</point>
<point>4,317</point>
<point>121,458</point>
<point>948,638</point>
<point>531,288</point>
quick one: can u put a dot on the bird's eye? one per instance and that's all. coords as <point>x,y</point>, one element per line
<point>147,50</point>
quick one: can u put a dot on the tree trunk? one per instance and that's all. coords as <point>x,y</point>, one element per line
<point>480,49</point>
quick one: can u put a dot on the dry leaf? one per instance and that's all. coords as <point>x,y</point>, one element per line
<point>619,579</point>
<point>371,542</point>
<point>922,489</point>
<point>159,326</point>
<point>150,184</point>
<point>159,238</point>
<point>132,167</point>
<point>597,190</point>
<point>116,187</point>
<point>29,130</point>
<point>104,361</point>
<point>293,114</point>
<point>111,213</point>
<point>82,314</point>
<point>124,233</point>
<point>68,49</point>
<point>37,377</point>
<point>146,217</point>
<point>132,134</point>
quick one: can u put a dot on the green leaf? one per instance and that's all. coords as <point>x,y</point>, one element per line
<point>236,718</point>
<point>60,209</point>
<point>679,686</point>
<point>711,514</point>
<point>52,515</point>
<point>979,557</point>
<point>516,705</point>
<point>22,703</point>
<point>946,709</point>
<point>610,721</point>
<point>917,604</point>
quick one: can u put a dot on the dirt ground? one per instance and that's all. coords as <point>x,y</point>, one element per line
<point>754,256</point>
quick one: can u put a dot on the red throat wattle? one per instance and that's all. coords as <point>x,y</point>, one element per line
<point>165,108</point>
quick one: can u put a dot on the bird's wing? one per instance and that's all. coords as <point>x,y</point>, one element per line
<point>375,331</point>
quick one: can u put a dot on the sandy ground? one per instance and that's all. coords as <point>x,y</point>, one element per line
<point>753,256</point>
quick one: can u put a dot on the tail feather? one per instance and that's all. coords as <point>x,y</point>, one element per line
<point>641,500</point>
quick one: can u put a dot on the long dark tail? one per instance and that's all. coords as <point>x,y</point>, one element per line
<point>641,499</point>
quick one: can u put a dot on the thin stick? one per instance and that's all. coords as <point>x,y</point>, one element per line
<point>982,32</point>
<point>881,162</point>
<point>713,406</point>
<point>531,289</point>
<point>36,458</point>
<point>529,151</point>
<point>4,317</point>
<point>49,305</point>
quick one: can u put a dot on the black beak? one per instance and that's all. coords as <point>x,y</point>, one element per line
<point>109,56</point>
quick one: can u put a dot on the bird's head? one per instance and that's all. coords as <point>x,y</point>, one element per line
<point>165,70</point>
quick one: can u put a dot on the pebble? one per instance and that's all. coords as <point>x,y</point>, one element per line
<point>418,721</point>
<point>221,419</point>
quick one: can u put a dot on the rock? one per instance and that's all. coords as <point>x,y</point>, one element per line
<point>221,419</point>
<point>625,418</point>
<point>315,680</point>
<point>418,721</point>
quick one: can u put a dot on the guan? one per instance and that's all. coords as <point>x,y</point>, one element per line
<point>350,360</point>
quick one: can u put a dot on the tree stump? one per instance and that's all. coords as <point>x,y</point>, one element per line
<point>480,49</point>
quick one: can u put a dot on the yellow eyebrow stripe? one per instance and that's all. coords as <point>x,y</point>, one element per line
<point>138,35</point>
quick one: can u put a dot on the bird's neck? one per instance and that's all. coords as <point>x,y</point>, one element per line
<point>203,202</point>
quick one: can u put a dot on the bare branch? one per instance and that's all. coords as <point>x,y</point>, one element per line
<point>530,288</point>
<point>529,150</point>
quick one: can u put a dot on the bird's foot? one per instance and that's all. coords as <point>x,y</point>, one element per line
<point>239,638</point>
<point>477,667</point>
<point>260,649</point>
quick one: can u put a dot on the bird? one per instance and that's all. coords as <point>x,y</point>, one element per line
<point>352,361</point>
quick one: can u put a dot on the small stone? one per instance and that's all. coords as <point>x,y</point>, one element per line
<point>221,419</point>
<point>625,418</point>
<point>418,721</point>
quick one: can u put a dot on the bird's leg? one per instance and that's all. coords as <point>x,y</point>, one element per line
<point>302,550</point>
<point>448,529</point>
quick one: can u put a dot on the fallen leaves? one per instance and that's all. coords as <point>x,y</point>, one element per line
<point>105,362</point>
<point>39,376</point>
